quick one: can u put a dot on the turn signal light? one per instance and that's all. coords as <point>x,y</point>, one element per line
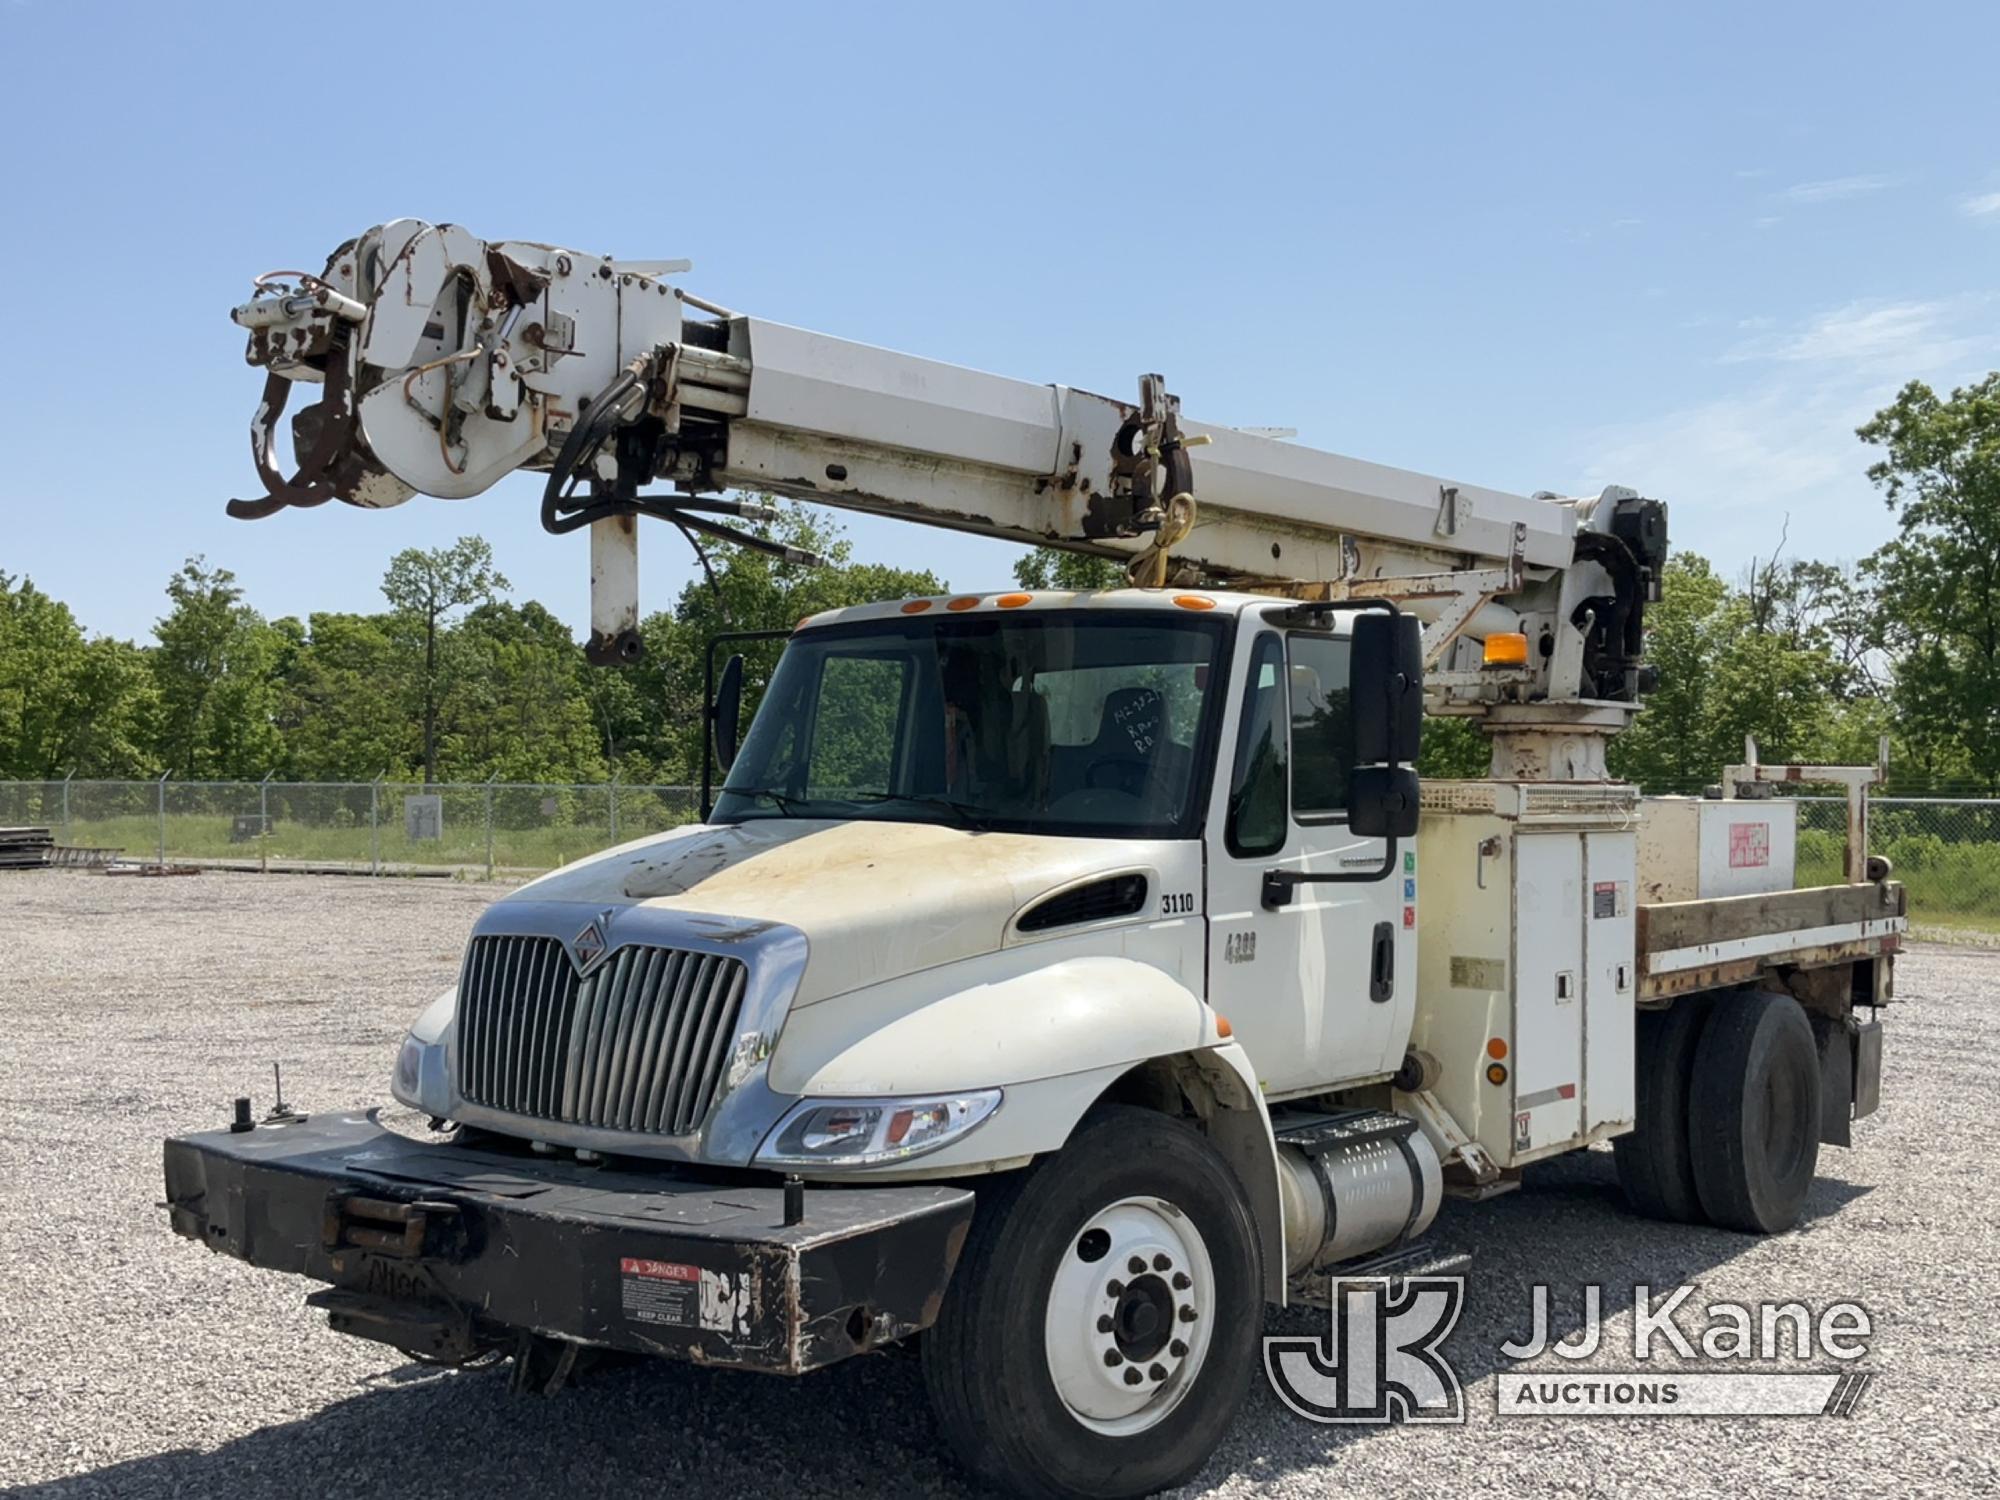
<point>1507,649</point>
<point>1496,1073</point>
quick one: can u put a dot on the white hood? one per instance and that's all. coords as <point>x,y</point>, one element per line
<point>876,900</point>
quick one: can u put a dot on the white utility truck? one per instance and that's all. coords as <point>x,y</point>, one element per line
<point>1057,977</point>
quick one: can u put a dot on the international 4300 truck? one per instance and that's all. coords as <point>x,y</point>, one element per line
<point>1056,978</point>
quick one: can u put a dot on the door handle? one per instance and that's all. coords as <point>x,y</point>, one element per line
<point>1382,964</point>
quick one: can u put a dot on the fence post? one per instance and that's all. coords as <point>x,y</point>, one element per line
<point>614,807</point>
<point>161,784</point>
<point>375,825</point>
<point>264,822</point>
<point>65,821</point>
<point>489,823</point>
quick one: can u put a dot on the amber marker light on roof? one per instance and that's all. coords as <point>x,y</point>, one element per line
<point>1194,601</point>
<point>1014,601</point>
<point>967,602</point>
<point>1507,649</point>
<point>915,606</point>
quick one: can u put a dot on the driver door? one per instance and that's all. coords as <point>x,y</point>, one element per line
<point>1318,990</point>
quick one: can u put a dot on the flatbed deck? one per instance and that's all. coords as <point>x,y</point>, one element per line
<point>1685,946</point>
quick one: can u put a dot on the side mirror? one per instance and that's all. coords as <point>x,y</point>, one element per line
<point>726,711</point>
<point>1382,802</point>
<point>1386,682</point>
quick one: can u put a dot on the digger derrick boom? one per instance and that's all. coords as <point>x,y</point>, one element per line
<point>448,362</point>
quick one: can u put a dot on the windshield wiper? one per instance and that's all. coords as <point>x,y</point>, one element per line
<point>785,802</point>
<point>968,814</point>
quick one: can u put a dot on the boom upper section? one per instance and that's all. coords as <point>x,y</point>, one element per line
<point>448,362</point>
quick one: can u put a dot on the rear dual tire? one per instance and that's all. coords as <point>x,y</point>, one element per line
<point>1728,1107</point>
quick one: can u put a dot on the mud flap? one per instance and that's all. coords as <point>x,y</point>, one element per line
<point>1850,1074</point>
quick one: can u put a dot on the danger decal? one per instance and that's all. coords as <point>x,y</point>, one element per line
<point>1749,845</point>
<point>659,1291</point>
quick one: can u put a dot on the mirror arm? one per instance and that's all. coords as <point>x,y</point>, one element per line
<point>1279,884</point>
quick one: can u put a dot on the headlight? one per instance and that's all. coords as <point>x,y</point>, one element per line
<point>409,1071</point>
<point>867,1132</point>
<point>421,1079</point>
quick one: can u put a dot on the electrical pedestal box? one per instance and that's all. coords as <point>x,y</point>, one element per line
<point>1526,971</point>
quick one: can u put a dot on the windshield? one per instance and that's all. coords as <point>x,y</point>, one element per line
<point>1074,722</point>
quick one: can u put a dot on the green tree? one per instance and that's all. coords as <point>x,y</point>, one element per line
<point>67,704</point>
<point>752,591</point>
<point>338,713</point>
<point>427,591</point>
<point>1939,581</point>
<point>212,668</point>
<point>1053,568</point>
<point>1728,669</point>
<point>517,707</point>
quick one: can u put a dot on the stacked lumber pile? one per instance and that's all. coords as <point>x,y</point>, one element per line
<point>25,848</point>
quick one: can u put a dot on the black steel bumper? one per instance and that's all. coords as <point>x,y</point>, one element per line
<point>449,1250</point>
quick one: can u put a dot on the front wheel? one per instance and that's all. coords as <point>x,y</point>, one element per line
<point>1101,1329</point>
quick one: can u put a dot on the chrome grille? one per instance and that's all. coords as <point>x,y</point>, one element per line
<point>639,1045</point>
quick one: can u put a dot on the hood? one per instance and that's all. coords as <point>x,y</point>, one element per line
<point>875,900</point>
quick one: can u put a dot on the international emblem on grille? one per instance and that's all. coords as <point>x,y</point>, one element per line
<point>587,947</point>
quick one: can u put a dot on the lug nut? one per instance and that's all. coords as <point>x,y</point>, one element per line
<point>1133,1377</point>
<point>1114,1288</point>
<point>1177,1349</point>
<point>1181,1282</point>
<point>1161,1263</point>
<point>1104,1324</point>
<point>1113,1359</point>
<point>1188,1315</point>
<point>1158,1372</point>
<point>1136,1265</point>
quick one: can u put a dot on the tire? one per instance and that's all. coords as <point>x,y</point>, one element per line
<point>1655,1159</point>
<point>1036,1276</point>
<point>1754,1113</point>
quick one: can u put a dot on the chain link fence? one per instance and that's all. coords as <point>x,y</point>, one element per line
<point>379,827</point>
<point>1945,849</point>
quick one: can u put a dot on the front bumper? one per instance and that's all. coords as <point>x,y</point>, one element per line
<point>448,1250</point>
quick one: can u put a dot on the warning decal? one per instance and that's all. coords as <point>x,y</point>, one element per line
<point>659,1291</point>
<point>1749,845</point>
<point>1607,898</point>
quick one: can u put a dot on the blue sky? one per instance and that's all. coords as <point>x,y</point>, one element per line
<point>1536,247</point>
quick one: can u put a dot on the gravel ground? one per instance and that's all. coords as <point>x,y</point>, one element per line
<point>137,1364</point>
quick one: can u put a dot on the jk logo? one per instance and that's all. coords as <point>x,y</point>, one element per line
<point>1379,1361</point>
